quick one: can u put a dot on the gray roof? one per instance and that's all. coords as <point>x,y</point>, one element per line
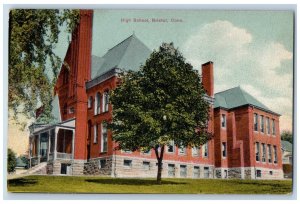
<point>55,112</point>
<point>236,97</point>
<point>286,146</point>
<point>129,54</point>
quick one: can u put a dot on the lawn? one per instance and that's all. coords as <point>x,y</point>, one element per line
<point>85,184</point>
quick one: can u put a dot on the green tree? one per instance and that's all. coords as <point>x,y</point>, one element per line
<point>287,136</point>
<point>11,160</point>
<point>160,104</point>
<point>33,34</point>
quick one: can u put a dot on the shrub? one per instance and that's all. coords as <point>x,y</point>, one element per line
<point>11,160</point>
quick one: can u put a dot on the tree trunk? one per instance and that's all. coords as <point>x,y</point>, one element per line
<point>159,170</point>
<point>159,158</point>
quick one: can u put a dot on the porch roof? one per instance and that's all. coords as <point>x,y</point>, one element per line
<point>38,128</point>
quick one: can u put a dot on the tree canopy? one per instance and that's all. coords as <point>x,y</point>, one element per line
<point>287,136</point>
<point>160,104</point>
<point>33,34</point>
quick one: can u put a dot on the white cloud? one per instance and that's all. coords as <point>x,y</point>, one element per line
<point>240,60</point>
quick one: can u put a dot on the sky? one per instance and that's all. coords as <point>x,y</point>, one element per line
<point>251,49</point>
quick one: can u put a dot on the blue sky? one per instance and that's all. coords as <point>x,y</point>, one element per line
<point>251,49</point>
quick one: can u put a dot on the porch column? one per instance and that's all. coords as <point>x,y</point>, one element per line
<point>73,141</point>
<point>55,143</point>
<point>48,151</point>
<point>39,148</point>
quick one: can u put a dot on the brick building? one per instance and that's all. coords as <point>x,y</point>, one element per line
<point>246,142</point>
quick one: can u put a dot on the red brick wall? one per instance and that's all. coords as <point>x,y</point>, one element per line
<point>98,119</point>
<point>241,138</point>
<point>267,139</point>
<point>72,92</point>
<point>220,135</point>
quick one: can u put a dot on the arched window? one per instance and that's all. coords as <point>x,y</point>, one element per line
<point>90,102</point>
<point>97,103</point>
<point>105,101</point>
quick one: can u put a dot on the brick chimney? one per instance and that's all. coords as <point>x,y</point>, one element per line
<point>208,77</point>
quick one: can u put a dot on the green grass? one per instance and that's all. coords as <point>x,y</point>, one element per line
<point>86,184</point>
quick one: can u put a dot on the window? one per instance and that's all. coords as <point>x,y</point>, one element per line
<point>271,172</point>
<point>171,170</point>
<point>183,171</point>
<point>126,151</point>
<point>255,121</point>
<point>182,150</point>
<point>127,163</point>
<point>269,154</point>
<point>225,173</point>
<point>146,151</point>
<point>224,151</point>
<point>195,151</point>
<point>171,147</point>
<point>71,110</point>
<point>290,160</point>
<point>97,103</point>
<point>90,102</point>
<point>102,163</point>
<point>262,124</point>
<point>268,126</point>
<point>105,101</point>
<point>104,138</point>
<point>196,172</point>
<point>275,155</point>
<point>146,165</point>
<point>223,121</point>
<point>95,133</point>
<point>273,127</point>
<point>206,172</point>
<point>205,150</point>
<point>257,151</point>
<point>263,152</point>
<point>258,173</point>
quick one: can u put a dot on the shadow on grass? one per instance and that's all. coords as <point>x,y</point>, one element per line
<point>132,182</point>
<point>260,183</point>
<point>21,182</point>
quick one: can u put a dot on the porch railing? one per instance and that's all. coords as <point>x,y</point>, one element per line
<point>61,155</point>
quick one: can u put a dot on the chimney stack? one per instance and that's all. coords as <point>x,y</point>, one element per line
<point>208,78</point>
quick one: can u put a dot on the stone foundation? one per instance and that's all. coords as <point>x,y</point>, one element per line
<point>139,170</point>
<point>115,166</point>
<point>98,166</point>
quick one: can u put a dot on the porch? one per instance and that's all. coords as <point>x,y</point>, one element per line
<point>48,143</point>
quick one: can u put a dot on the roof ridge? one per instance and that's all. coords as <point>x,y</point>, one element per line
<point>227,90</point>
<point>119,43</point>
